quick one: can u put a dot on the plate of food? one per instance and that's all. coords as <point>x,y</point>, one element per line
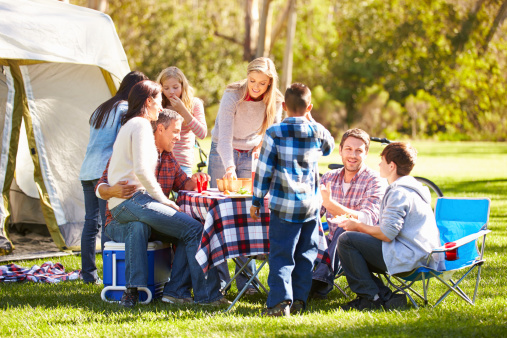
<point>241,193</point>
<point>341,218</point>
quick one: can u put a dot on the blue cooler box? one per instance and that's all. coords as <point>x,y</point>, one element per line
<point>159,271</point>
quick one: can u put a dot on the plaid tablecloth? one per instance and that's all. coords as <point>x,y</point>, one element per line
<point>229,231</point>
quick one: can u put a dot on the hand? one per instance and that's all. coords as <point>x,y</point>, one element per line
<point>173,205</point>
<point>200,177</point>
<point>122,190</point>
<point>255,212</point>
<point>350,224</point>
<point>325,192</point>
<point>177,104</point>
<point>230,174</point>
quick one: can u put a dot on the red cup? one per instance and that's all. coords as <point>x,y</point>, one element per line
<point>451,255</point>
<point>199,185</point>
<point>204,185</point>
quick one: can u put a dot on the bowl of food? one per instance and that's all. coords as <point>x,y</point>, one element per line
<point>234,185</point>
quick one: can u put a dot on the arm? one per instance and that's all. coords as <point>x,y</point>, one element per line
<point>354,225</point>
<point>335,208</point>
<point>226,112</point>
<point>198,122</point>
<point>263,173</point>
<point>120,189</point>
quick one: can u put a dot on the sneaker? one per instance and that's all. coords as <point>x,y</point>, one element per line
<point>279,310</point>
<point>396,301</point>
<point>361,303</point>
<point>97,281</point>
<point>177,301</point>
<point>298,307</point>
<point>221,302</point>
<point>129,298</point>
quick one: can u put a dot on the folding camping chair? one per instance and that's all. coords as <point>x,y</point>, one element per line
<point>461,221</point>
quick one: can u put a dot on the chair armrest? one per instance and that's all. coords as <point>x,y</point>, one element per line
<point>462,241</point>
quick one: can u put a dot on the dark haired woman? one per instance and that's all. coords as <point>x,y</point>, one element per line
<point>134,160</point>
<point>104,126</point>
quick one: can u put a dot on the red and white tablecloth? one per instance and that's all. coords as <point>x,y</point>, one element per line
<point>229,231</point>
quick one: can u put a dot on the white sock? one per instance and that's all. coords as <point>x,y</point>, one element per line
<point>376,297</point>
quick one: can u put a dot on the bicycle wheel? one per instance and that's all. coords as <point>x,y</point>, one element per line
<point>434,189</point>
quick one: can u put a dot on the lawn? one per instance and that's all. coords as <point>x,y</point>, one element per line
<point>460,169</point>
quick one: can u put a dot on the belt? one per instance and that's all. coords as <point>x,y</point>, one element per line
<point>242,151</point>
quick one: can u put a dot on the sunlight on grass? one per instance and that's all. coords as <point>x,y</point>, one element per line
<point>460,169</point>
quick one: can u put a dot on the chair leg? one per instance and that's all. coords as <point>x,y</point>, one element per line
<point>341,290</point>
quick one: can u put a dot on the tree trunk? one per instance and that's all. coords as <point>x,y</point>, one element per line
<point>251,29</point>
<point>287,57</point>
<point>500,17</point>
<point>281,20</point>
<point>100,5</point>
<point>264,30</point>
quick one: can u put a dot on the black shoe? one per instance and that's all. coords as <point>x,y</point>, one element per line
<point>129,298</point>
<point>361,304</point>
<point>396,301</point>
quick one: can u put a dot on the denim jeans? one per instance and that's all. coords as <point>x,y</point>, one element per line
<point>323,276</point>
<point>166,220</point>
<point>292,254</point>
<point>361,256</point>
<point>243,163</point>
<point>187,170</point>
<point>95,216</point>
<point>135,235</point>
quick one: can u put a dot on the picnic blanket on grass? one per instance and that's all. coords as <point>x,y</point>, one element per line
<point>46,273</point>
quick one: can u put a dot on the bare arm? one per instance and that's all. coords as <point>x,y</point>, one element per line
<point>120,190</point>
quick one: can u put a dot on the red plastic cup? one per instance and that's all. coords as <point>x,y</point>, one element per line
<point>451,255</point>
<point>204,185</point>
<point>199,185</point>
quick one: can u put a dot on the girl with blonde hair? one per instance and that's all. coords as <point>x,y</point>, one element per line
<point>178,95</point>
<point>247,109</point>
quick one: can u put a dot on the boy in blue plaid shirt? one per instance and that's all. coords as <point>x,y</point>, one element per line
<point>288,169</point>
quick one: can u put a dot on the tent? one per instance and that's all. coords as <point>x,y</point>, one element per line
<point>58,62</point>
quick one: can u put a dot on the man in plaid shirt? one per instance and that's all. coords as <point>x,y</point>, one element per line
<point>288,169</point>
<point>353,191</point>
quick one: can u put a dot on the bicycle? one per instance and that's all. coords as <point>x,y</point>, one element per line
<point>434,189</point>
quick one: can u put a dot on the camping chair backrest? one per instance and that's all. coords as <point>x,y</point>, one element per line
<point>460,217</point>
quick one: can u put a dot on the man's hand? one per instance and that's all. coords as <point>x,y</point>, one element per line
<point>350,224</point>
<point>325,192</point>
<point>255,212</point>
<point>200,177</point>
<point>119,190</point>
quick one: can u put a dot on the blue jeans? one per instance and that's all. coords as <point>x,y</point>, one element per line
<point>324,276</point>
<point>243,163</point>
<point>164,219</point>
<point>135,235</point>
<point>187,170</point>
<point>361,256</point>
<point>293,249</point>
<point>95,216</point>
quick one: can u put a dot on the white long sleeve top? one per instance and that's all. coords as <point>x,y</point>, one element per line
<point>134,159</point>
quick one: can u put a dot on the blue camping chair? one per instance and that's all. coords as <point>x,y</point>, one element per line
<point>462,221</point>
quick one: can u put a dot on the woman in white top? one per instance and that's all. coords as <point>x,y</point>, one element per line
<point>134,160</point>
<point>178,95</point>
<point>247,109</point>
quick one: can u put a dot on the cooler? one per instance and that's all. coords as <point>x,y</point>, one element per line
<point>159,271</point>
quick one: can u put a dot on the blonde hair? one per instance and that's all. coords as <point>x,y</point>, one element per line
<point>271,96</point>
<point>187,92</point>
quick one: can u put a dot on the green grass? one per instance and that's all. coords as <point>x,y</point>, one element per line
<point>460,169</point>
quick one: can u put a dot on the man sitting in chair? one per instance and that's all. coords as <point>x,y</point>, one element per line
<point>354,190</point>
<point>404,239</point>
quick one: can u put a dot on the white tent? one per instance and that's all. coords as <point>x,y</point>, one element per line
<point>58,62</point>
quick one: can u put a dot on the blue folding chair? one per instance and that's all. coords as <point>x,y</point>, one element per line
<point>462,221</point>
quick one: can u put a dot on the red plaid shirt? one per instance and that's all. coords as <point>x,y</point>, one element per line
<point>365,193</point>
<point>169,174</point>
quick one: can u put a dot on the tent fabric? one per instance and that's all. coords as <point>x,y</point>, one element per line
<point>58,62</point>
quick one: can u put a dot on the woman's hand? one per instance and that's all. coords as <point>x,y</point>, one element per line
<point>172,205</point>
<point>230,174</point>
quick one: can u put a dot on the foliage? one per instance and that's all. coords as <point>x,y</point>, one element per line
<point>74,309</point>
<point>392,67</point>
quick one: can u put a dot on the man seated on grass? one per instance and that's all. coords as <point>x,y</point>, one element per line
<point>354,190</point>
<point>403,241</point>
<point>184,274</point>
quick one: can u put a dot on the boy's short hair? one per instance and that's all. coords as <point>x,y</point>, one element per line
<point>357,133</point>
<point>402,154</point>
<point>165,118</point>
<point>297,98</point>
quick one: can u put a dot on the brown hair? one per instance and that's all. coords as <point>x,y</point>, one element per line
<point>357,133</point>
<point>297,98</point>
<point>137,99</point>
<point>402,154</point>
